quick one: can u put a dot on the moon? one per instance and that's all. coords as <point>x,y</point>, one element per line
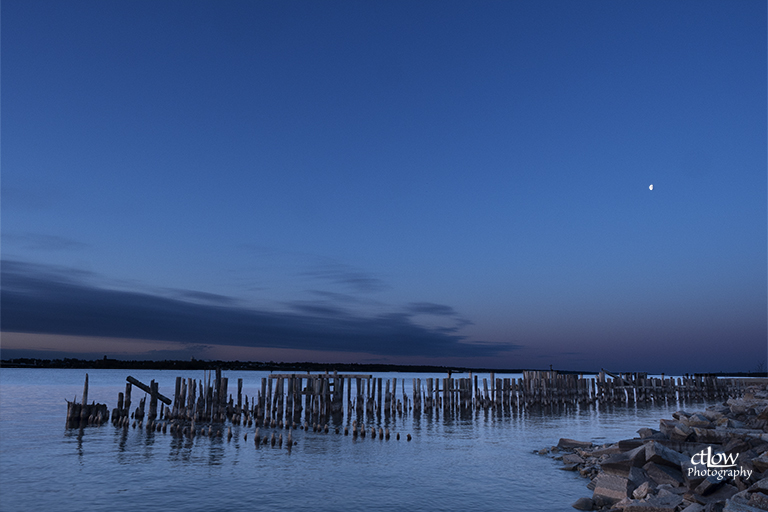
<point>651,187</point>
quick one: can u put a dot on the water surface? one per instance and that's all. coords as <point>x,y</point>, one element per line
<point>482,461</point>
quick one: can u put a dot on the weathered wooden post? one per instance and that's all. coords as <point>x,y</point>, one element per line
<point>239,395</point>
<point>152,400</point>
<point>83,409</point>
<point>387,400</point>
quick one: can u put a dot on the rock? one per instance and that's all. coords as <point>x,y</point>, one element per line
<point>611,488</point>
<point>739,502</point>
<point>646,433</point>
<point>608,450</point>
<point>686,448</point>
<point>630,444</point>
<point>569,467</point>
<point>761,462</point>
<point>708,485</point>
<point>671,489</point>
<point>758,500</point>
<point>693,473</point>
<point>637,456</point>
<point>637,476</point>
<point>710,436</point>
<point>572,443</point>
<point>655,452</point>
<point>740,483</point>
<point>667,426</point>
<point>699,420</point>
<point>664,474</point>
<point>584,504</point>
<point>655,504</point>
<point>666,492</point>
<point>723,493</point>
<point>715,412</point>
<point>642,491</point>
<point>737,445</point>
<point>737,405</point>
<point>620,463</point>
<point>760,486</point>
<point>572,458</point>
<point>619,505</point>
<point>694,507</point>
<point>681,432</point>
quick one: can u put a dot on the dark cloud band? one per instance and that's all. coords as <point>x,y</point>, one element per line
<point>38,299</point>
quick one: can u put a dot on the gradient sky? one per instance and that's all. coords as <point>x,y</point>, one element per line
<point>460,183</point>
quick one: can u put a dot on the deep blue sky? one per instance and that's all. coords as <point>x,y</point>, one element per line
<point>428,182</point>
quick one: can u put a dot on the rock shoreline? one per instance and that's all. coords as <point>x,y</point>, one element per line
<point>709,461</point>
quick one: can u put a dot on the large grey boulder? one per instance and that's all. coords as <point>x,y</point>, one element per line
<point>643,490</point>
<point>664,474</point>
<point>709,485</point>
<point>711,435</point>
<point>667,503</point>
<point>723,493</point>
<point>759,486</point>
<point>655,452</point>
<point>584,504</point>
<point>681,432</point>
<point>630,444</point>
<point>646,433</point>
<point>692,473</point>
<point>761,463</point>
<point>667,426</point>
<point>621,463</point>
<point>608,450</point>
<point>742,502</point>
<point>610,489</point>
<point>572,458</point>
<point>569,444</point>
<point>698,420</point>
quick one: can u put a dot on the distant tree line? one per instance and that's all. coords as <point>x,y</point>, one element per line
<point>196,364</point>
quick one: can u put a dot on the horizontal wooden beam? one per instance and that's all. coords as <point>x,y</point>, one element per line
<point>147,389</point>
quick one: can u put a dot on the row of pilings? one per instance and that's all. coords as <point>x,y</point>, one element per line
<point>316,399</point>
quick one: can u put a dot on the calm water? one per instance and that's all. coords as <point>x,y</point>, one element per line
<point>480,462</point>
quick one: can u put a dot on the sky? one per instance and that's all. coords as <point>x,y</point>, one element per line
<point>432,182</point>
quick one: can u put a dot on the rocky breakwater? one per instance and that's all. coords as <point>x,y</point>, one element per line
<point>715,460</point>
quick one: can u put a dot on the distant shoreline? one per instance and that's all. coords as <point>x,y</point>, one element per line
<point>117,364</point>
<point>196,364</point>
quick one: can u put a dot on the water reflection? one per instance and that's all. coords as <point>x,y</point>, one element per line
<point>77,434</point>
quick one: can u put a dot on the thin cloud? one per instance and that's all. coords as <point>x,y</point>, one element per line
<point>43,243</point>
<point>356,280</point>
<point>316,308</point>
<point>429,308</point>
<point>212,298</point>
<point>35,299</point>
